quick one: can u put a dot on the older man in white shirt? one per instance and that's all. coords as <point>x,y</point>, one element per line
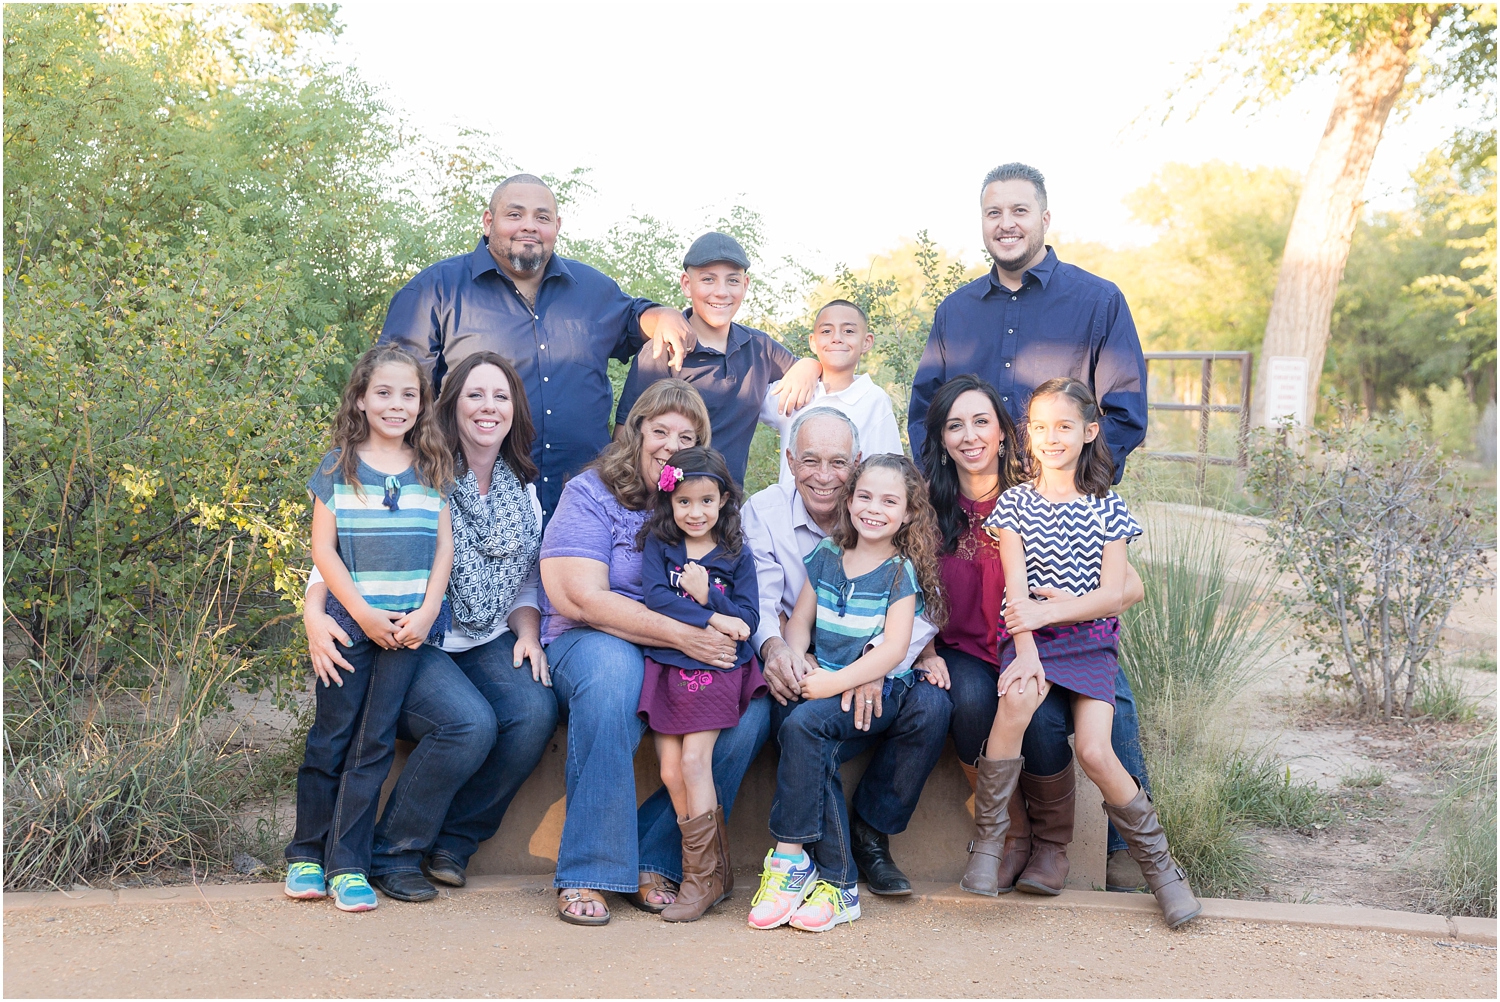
<point>783,524</point>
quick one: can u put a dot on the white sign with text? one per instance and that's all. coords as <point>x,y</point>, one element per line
<point>1286,390</point>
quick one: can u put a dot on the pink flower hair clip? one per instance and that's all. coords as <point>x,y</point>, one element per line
<point>671,476</point>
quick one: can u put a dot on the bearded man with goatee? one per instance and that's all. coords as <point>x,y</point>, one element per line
<point>558,321</point>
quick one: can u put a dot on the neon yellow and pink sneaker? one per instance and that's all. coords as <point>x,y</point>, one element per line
<point>784,885</point>
<point>826,907</point>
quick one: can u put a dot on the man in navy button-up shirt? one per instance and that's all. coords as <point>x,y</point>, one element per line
<point>558,321</point>
<point>1032,318</point>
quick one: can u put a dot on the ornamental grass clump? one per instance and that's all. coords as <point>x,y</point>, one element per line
<point>1384,538</point>
<point>1204,632</point>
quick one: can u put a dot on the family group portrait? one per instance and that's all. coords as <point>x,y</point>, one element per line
<point>822,500</point>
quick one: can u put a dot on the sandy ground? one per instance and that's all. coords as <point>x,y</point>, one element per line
<point>511,944</point>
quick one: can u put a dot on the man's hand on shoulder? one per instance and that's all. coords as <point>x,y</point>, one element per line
<point>668,329</point>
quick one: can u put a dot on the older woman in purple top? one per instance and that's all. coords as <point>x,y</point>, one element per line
<point>595,625</point>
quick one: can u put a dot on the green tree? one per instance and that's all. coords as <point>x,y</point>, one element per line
<point>1386,56</point>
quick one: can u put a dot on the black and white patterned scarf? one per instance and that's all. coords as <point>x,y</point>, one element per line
<point>496,538</point>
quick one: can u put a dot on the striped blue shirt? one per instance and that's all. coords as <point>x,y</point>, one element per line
<point>388,551</point>
<point>851,611</point>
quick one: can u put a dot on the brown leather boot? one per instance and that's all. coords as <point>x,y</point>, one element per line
<point>971,773</point>
<point>726,868</point>
<point>1049,801</point>
<point>997,781</point>
<point>1019,846</point>
<point>1139,826</point>
<point>702,887</point>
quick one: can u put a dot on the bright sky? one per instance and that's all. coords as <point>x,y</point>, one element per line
<point>848,126</point>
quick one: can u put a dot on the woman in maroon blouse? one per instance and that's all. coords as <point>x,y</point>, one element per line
<point>971,455</point>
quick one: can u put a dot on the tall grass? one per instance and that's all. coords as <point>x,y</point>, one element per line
<point>1463,880</point>
<point>1204,632</point>
<point>105,781</point>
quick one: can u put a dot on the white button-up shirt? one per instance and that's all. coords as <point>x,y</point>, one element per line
<point>867,405</point>
<point>780,532</point>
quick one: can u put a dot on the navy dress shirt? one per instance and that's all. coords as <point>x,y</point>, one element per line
<point>1062,321</point>
<point>733,383</point>
<point>732,591</point>
<point>561,351</point>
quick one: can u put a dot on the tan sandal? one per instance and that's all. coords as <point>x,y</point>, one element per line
<point>574,895</point>
<point>652,882</point>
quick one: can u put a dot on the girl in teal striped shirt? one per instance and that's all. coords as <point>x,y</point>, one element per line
<point>383,542</point>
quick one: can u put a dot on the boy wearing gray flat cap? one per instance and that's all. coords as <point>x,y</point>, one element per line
<point>732,365</point>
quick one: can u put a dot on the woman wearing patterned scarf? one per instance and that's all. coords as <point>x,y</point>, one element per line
<point>481,709</point>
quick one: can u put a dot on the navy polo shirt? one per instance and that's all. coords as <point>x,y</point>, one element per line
<point>561,351</point>
<point>732,382</point>
<point>1062,321</point>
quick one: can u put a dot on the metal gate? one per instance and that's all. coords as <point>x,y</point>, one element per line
<point>1206,407</point>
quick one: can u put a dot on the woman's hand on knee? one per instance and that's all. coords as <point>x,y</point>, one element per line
<point>531,649</point>
<point>1024,674</point>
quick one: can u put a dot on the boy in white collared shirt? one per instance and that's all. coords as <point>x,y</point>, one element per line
<point>841,336</point>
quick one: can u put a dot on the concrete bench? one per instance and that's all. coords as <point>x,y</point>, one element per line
<point>931,848</point>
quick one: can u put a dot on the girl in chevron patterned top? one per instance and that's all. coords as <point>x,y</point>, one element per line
<point>383,541</point>
<point>1067,529</point>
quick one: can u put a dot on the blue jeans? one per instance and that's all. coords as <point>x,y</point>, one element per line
<point>1045,746</point>
<point>818,736</point>
<point>597,681</point>
<point>656,822</point>
<point>480,726</point>
<point>349,751</point>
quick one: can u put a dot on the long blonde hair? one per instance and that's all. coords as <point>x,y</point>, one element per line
<point>619,465</point>
<point>918,540</point>
<point>433,460</point>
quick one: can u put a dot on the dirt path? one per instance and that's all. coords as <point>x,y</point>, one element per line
<point>510,944</point>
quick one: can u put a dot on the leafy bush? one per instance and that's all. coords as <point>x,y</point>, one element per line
<point>160,424</point>
<point>1384,539</point>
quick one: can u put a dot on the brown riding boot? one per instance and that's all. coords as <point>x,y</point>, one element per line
<point>1139,826</point>
<point>726,868</point>
<point>1049,801</point>
<point>997,781</point>
<point>1019,846</point>
<point>702,887</point>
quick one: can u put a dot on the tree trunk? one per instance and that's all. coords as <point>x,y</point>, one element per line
<point>1318,245</point>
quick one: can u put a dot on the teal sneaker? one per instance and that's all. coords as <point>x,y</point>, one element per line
<point>353,893</point>
<point>305,880</point>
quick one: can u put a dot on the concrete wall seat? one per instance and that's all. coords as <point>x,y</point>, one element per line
<point>931,848</point>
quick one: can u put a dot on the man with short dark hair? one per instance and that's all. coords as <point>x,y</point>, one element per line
<point>1029,319</point>
<point>558,321</point>
<point>1033,317</point>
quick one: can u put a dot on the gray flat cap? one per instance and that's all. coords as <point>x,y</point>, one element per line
<point>712,248</point>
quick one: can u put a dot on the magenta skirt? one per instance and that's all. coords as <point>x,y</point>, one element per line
<point>684,701</point>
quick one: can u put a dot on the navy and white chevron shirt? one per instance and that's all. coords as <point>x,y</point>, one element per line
<point>1064,542</point>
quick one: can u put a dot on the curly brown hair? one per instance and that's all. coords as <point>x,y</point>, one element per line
<point>516,449</point>
<point>619,465</point>
<point>695,462</point>
<point>433,460</point>
<point>917,541</point>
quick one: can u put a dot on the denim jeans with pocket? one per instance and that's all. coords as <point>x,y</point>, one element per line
<point>818,736</point>
<point>349,751</point>
<point>1045,746</point>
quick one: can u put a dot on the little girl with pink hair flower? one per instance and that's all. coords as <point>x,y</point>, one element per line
<point>696,568</point>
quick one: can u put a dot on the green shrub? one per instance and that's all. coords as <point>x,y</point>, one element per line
<point>162,422</point>
<point>1441,695</point>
